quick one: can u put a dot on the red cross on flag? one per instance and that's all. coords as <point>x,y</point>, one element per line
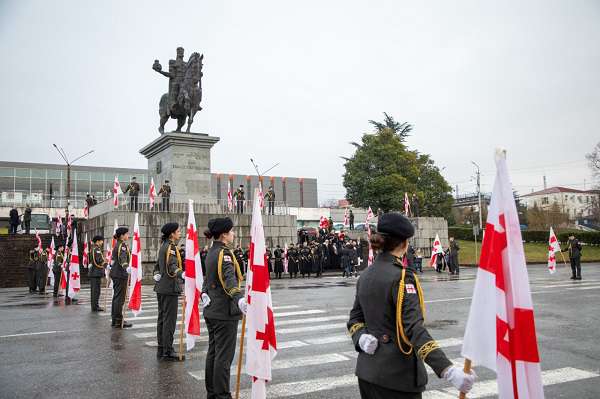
<point>346,218</point>
<point>553,248</point>
<point>229,197</point>
<point>436,250</point>
<point>152,193</point>
<point>260,322</point>
<point>370,216</point>
<point>135,285</point>
<point>86,253</point>
<point>51,255</point>
<point>116,191</point>
<point>39,242</point>
<point>323,222</point>
<point>193,281</point>
<point>500,332</point>
<point>74,274</point>
<point>63,270</point>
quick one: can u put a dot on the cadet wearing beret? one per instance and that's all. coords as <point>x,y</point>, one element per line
<point>96,272</point>
<point>56,267</point>
<point>386,323</point>
<point>119,274</point>
<point>167,288</point>
<point>223,304</point>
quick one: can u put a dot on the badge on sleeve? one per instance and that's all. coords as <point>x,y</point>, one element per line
<point>227,258</point>
<point>410,289</point>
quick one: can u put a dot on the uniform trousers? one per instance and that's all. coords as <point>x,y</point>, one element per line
<point>42,277</point>
<point>167,320</point>
<point>56,281</point>
<point>95,291</point>
<point>119,287</point>
<point>222,340</point>
<point>372,391</point>
<point>576,266</point>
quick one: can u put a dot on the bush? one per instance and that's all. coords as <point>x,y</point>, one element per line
<point>585,237</point>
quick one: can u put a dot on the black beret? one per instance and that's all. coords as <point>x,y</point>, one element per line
<point>218,226</point>
<point>169,228</point>
<point>120,231</point>
<point>97,238</point>
<point>395,224</point>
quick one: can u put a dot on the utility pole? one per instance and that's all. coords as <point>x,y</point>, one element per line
<point>478,173</point>
<point>63,154</point>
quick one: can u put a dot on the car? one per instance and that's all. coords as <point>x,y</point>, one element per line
<point>308,231</point>
<point>40,222</point>
<point>363,227</point>
<point>339,226</point>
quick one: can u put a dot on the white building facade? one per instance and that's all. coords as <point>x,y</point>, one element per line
<point>575,203</point>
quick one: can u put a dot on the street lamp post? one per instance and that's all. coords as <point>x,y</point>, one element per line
<point>63,154</point>
<point>479,196</point>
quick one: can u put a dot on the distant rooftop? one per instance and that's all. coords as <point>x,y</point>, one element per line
<point>559,189</point>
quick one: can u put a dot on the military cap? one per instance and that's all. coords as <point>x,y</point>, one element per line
<point>218,226</point>
<point>120,231</point>
<point>169,228</point>
<point>97,238</point>
<point>395,224</point>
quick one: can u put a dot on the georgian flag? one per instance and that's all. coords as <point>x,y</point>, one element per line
<point>109,249</point>
<point>135,286</point>
<point>39,242</point>
<point>370,216</point>
<point>69,226</point>
<point>285,259</point>
<point>346,218</point>
<point>261,196</point>
<point>86,253</point>
<point>553,248</point>
<point>229,197</point>
<point>63,270</point>
<point>58,224</point>
<point>323,222</point>
<point>500,332</point>
<point>193,281</point>
<point>406,205</point>
<point>436,250</point>
<point>152,193</point>
<point>260,322</point>
<point>116,191</point>
<point>86,211</point>
<point>51,255</point>
<point>74,273</point>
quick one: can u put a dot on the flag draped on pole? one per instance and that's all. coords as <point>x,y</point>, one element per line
<point>346,218</point>
<point>152,193</point>
<point>69,226</point>
<point>553,248</point>
<point>109,249</point>
<point>58,224</point>
<point>135,286</point>
<point>500,332</point>
<point>261,196</point>
<point>436,250</point>
<point>260,322</point>
<point>285,259</point>
<point>116,191</point>
<point>370,216</point>
<point>39,242</point>
<point>51,255</point>
<point>74,273</point>
<point>86,211</point>
<point>406,205</point>
<point>63,270</point>
<point>193,281</point>
<point>229,197</point>
<point>86,253</point>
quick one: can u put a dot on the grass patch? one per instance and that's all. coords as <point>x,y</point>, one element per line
<point>534,253</point>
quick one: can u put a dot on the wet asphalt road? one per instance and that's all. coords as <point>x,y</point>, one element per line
<point>49,350</point>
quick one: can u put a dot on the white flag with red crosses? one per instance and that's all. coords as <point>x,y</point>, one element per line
<point>135,287</point>
<point>193,281</point>
<point>553,248</point>
<point>436,250</point>
<point>74,273</point>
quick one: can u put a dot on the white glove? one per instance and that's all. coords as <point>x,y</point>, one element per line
<point>157,277</point>
<point>128,269</point>
<point>368,343</point>
<point>461,380</point>
<point>183,276</point>
<point>243,305</point>
<point>205,300</point>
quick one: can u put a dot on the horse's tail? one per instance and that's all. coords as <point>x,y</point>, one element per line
<point>163,105</point>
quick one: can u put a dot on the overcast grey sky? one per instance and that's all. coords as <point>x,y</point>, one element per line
<point>294,82</point>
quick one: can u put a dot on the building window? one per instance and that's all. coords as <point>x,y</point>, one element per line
<point>544,200</point>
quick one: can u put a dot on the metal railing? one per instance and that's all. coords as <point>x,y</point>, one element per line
<point>179,204</point>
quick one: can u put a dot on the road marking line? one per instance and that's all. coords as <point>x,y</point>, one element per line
<point>288,364</point>
<point>30,334</point>
<point>155,309</point>
<point>277,323</point>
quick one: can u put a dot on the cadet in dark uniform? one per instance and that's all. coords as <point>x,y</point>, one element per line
<point>58,261</point>
<point>292,261</point>
<point>269,258</point>
<point>96,272</point>
<point>167,288</point>
<point>453,257</point>
<point>305,260</point>
<point>165,193</point>
<point>134,191</point>
<point>32,270</point>
<point>386,323</point>
<point>223,304</point>
<point>270,197</point>
<point>574,250</point>
<point>42,271</point>
<point>119,273</point>
<point>278,261</point>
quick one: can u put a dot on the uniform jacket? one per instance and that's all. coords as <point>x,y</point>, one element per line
<point>120,261</point>
<point>239,195</point>
<point>398,362</point>
<point>133,188</point>
<point>58,261</point>
<point>165,191</point>
<point>574,249</point>
<point>270,196</point>
<point>98,263</point>
<point>222,283</point>
<point>170,267</point>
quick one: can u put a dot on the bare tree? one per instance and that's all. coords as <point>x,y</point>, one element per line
<point>594,160</point>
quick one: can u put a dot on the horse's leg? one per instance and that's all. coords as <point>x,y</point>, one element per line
<point>180,123</point>
<point>190,121</point>
<point>163,121</point>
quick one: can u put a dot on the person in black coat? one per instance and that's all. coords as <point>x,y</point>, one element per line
<point>293,261</point>
<point>574,248</point>
<point>56,268</point>
<point>96,271</point>
<point>13,220</point>
<point>387,323</point>
<point>278,261</point>
<point>119,273</point>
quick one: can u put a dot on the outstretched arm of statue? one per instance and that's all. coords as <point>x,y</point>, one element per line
<point>158,68</point>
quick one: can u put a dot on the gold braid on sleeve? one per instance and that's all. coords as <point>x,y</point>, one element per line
<point>400,335</point>
<point>355,327</point>
<point>234,290</point>
<point>426,349</point>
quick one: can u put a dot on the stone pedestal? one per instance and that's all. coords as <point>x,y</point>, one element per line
<point>184,160</point>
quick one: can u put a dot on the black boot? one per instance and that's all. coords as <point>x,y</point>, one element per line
<point>172,357</point>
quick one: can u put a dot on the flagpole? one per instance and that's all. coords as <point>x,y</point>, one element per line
<point>240,356</point>
<point>467,370</point>
<point>183,304</point>
<point>563,258</point>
